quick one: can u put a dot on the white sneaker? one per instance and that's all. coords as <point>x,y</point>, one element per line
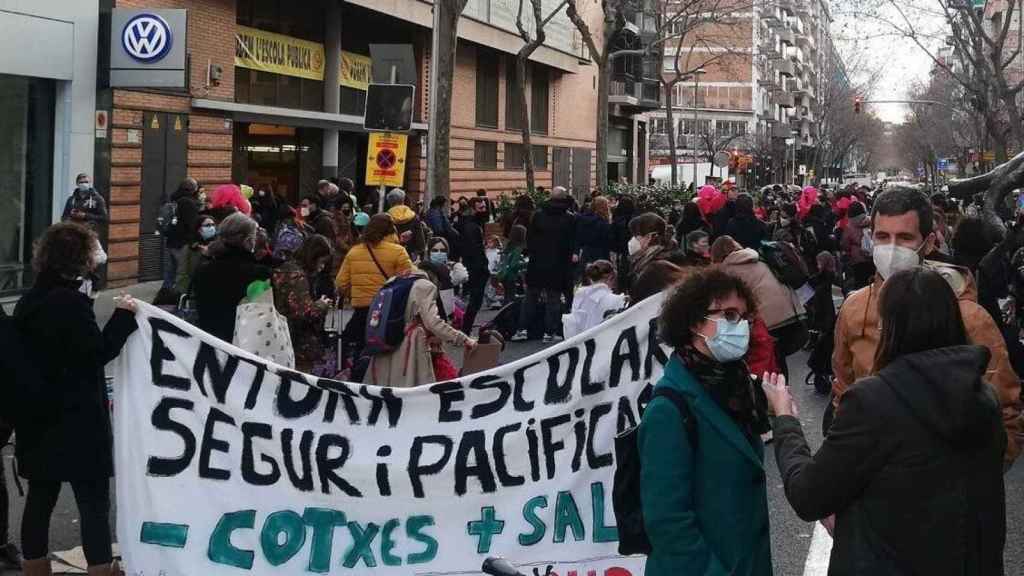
<point>548,338</point>
<point>556,338</point>
<point>520,336</point>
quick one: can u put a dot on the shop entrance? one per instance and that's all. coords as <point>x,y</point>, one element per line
<point>283,159</point>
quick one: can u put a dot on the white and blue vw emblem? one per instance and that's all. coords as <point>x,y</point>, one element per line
<point>146,38</point>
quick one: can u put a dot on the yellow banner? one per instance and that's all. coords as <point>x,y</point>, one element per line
<point>385,159</point>
<point>277,53</point>
<point>280,54</point>
<point>355,70</point>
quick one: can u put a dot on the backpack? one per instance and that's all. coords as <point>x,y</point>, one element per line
<point>167,218</point>
<point>785,262</point>
<point>385,320</point>
<point>629,512</point>
<point>22,384</point>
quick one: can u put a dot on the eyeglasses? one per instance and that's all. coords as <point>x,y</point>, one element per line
<point>731,315</point>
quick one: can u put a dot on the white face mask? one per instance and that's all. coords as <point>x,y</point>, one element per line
<point>99,256</point>
<point>890,259</point>
<point>84,186</point>
<point>304,211</point>
<point>634,245</point>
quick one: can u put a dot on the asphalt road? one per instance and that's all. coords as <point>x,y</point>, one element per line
<point>791,537</point>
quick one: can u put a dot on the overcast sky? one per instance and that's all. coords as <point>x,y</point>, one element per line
<point>900,61</point>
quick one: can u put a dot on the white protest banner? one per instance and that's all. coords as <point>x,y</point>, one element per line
<point>228,465</point>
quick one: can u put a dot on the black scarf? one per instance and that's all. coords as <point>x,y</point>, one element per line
<point>732,388</point>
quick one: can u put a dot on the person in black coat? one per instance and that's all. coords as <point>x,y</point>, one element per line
<point>912,467</point>
<point>184,231</point>
<point>475,260</point>
<point>551,246</point>
<point>744,227</point>
<point>69,439</point>
<point>594,232</point>
<point>221,282</point>
<point>622,215</point>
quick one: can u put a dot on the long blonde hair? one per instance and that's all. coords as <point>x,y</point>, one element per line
<point>600,207</point>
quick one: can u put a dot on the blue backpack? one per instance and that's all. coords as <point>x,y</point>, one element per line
<point>385,321</point>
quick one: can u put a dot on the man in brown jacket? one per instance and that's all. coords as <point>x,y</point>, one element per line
<point>903,231</point>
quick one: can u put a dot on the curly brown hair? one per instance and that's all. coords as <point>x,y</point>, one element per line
<point>66,249</point>
<point>687,306</point>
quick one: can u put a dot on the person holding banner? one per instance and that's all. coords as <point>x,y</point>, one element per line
<point>703,491</point>
<point>71,440</point>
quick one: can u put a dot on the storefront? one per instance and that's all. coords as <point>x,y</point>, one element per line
<point>47,104</point>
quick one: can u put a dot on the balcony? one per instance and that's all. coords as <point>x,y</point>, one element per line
<point>786,68</point>
<point>793,85</point>
<point>633,94</point>
<point>785,100</point>
<point>787,37</point>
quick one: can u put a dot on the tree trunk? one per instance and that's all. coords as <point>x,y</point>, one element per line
<point>524,121</point>
<point>670,119</point>
<point>443,61</point>
<point>603,82</point>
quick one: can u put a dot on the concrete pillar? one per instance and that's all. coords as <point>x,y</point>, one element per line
<point>332,83</point>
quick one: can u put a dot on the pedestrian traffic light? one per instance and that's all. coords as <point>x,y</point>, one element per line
<point>858,103</point>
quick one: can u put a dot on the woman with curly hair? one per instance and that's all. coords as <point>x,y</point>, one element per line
<point>702,479</point>
<point>69,437</point>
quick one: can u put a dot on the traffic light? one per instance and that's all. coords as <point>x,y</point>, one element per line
<point>858,103</point>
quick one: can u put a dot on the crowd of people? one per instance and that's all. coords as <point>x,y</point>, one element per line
<point>921,361</point>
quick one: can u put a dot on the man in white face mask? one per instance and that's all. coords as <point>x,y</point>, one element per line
<point>903,237</point>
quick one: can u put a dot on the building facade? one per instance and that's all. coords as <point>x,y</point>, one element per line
<point>756,101</point>
<point>47,122</point>
<point>275,99</point>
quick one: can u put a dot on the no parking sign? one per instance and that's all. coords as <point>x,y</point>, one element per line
<point>385,159</point>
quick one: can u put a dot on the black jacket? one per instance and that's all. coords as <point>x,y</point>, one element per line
<point>912,467</point>
<point>720,219</point>
<point>219,285</point>
<point>593,237</point>
<point>71,438</point>
<point>550,243</point>
<point>472,247</point>
<point>186,231</point>
<point>747,230</point>
<point>90,203</point>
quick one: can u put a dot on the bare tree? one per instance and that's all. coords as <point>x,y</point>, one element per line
<point>682,27</point>
<point>443,61</point>
<point>981,49</point>
<point>522,59</point>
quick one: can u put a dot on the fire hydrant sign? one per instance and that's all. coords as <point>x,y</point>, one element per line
<point>385,159</point>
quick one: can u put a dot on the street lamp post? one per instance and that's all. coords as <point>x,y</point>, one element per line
<point>696,129</point>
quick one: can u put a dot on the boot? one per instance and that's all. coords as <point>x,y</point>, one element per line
<point>37,567</point>
<point>100,570</point>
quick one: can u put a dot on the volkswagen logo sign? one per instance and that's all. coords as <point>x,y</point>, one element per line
<point>146,38</point>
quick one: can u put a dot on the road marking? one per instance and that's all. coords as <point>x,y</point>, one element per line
<point>820,552</point>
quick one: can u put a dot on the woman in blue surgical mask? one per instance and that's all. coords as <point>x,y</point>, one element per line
<point>702,479</point>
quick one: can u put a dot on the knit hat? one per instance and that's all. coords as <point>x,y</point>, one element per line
<point>361,219</point>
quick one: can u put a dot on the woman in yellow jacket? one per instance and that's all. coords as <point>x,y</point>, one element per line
<point>367,266</point>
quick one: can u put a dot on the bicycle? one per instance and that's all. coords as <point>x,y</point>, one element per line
<point>501,567</point>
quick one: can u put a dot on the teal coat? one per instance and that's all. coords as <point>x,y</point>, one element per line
<point>705,510</point>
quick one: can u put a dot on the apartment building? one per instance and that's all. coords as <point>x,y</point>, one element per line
<point>273,96</point>
<point>757,96</point>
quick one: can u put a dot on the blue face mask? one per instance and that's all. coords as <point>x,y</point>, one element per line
<point>207,232</point>
<point>731,340</point>
<point>439,257</point>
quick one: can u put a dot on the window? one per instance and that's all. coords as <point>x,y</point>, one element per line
<point>539,89</point>
<point>514,159</point>
<point>731,127</point>
<point>513,104</point>
<point>26,173</point>
<point>540,157</point>
<point>485,155</point>
<point>268,89</point>
<point>486,88</point>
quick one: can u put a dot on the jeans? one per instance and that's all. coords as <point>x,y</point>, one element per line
<point>175,259</point>
<point>552,309</point>
<point>93,500</point>
<point>5,536</point>
<point>476,286</point>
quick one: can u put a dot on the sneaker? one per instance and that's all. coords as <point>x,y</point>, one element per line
<point>556,338</point>
<point>520,336</point>
<point>10,555</point>
<point>548,338</point>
